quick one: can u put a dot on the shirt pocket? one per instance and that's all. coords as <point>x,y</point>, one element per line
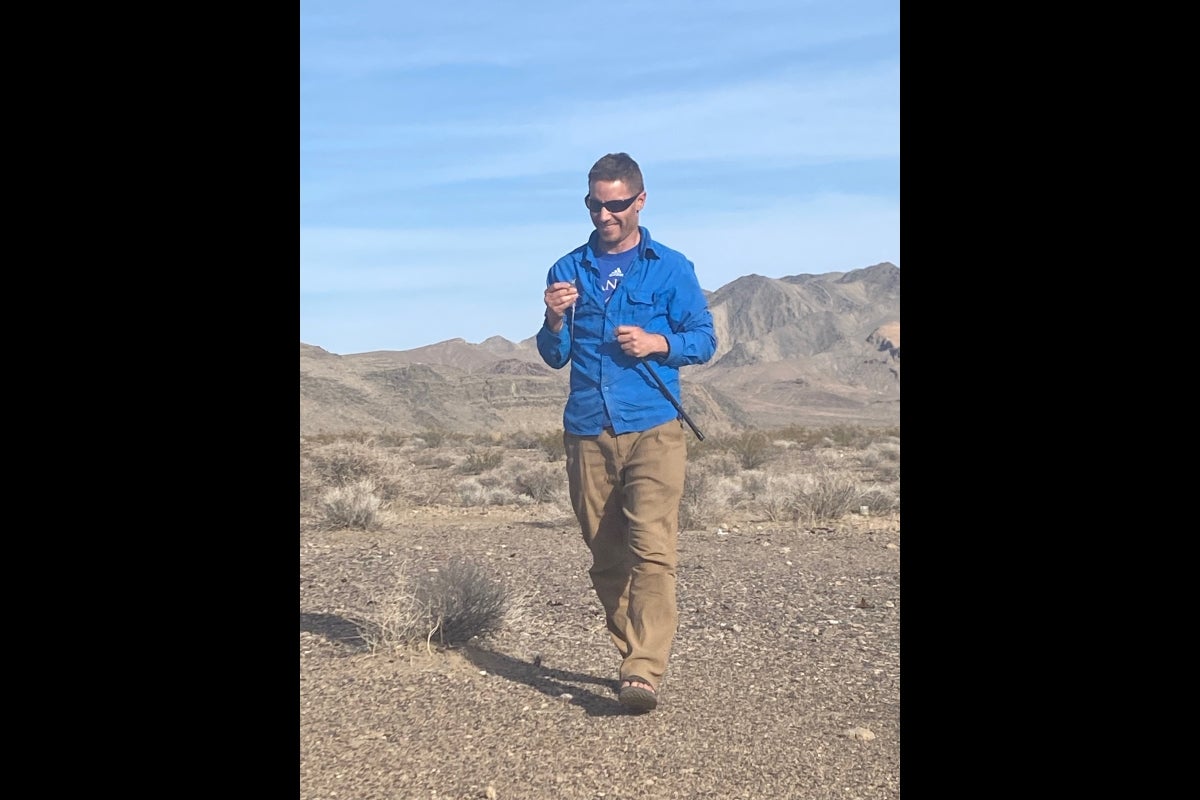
<point>642,308</point>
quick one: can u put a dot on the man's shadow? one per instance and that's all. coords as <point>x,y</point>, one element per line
<point>547,681</point>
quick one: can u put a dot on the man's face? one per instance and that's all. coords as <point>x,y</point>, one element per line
<point>617,229</point>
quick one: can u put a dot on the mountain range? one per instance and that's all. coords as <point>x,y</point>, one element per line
<point>807,350</point>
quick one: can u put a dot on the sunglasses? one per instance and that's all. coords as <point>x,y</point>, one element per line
<point>613,206</point>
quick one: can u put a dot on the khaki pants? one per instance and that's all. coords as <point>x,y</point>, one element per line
<point>626,490</point>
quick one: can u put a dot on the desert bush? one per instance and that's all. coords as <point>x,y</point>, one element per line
<point>390,439</point>
<point>826,495</point>
<point>878,453</point>
<point>433,438</point>
<point>347,462</point>
<point>806,438</point>
<point>317,439</point>
<point>845,436</point>
<point>880,499</point>
<point>884,458</point>
<point>719,462</point>
<point>753,448</point>
<point>694,507</point>
<point>776,498</point>
<point>353,506</point>
<point>310,483</point>
<point>541,482</point>
<point>397,619</point>
<point>521,440</point>
<point>754,481</point>
<point>464,600</point>
<point>478,462</point>
<point>472,492</point>
<point>434,459</point>
<point>706,496</point>
<point>701,449</point>
<point>342,463</point>
<point>552,444</point>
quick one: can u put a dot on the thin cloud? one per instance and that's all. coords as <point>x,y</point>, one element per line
<point>444,150</point>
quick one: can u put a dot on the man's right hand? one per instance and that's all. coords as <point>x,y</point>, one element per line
<point>558,297</point>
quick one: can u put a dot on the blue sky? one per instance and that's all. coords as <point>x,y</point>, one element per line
<point>444,149</point>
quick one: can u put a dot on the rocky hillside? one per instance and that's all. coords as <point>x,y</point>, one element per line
<point>805,349</point>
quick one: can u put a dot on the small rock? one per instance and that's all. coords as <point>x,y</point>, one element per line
<point>490,792</point>
<point>860,734</point>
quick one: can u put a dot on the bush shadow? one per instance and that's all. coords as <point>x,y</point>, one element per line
<point>336,629</point>
<point>551,682</point>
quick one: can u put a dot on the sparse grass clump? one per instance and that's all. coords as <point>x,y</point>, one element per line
<point>353,506</point>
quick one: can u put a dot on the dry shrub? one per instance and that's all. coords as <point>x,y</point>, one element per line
<point>433,459</point>
<point>884,458</point>
<point>752,448</point>
<point>352,506</point>
<point>522,440</point>
<point>878,453</point>
<point>541,482</point>
<point>349,462</point>
<point>464,600</point>
<point>880,499</point>
<point>776,499</point>
<point>826,495</point>
<point>397,619</point>
<point>310,484</point>
<point>706,496</point>
<point>720,462</point>
<point>344,462</point>
<point>432,438</point>
<point>474,493</point>
<point>552,444</point>
<point>478,462</point>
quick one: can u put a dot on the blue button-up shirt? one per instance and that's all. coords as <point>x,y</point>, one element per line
<point>660,294</point>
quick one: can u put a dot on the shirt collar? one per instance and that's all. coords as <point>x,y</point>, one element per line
<point>645,246</point>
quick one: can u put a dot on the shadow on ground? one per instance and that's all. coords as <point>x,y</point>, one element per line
<point>551,682</point>
<point>336,629</point>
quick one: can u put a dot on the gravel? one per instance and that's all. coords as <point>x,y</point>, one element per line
<point>784,680</point>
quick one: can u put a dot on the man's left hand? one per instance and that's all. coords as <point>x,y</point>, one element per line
<point>637,343</point>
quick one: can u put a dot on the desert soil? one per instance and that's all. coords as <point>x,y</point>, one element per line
<point>784,680</point>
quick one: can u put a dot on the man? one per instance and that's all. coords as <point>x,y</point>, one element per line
<point>619,308</point>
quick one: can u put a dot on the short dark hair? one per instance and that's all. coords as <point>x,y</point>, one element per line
<point>617,167</point>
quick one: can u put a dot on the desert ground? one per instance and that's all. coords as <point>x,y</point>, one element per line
<point>785,675</point>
